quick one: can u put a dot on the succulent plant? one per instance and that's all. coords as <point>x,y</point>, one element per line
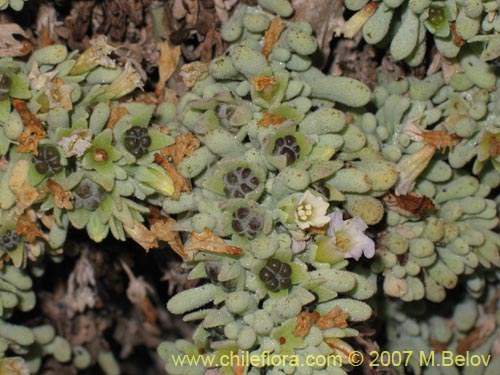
<point>406,25</point>
<point>14,4</point>
<point>294,198</point>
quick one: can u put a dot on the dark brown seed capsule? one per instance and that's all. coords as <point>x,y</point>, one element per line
<point>47,161</point>
<point>255,223</point>
<point>265,274</point>
<point>237,226</point>
<point>88,195</point>
<point>273,285</point>
<point>285,270</point>
<point>9,241</point>
<point>276,275</point>
<point>274,264</point>
<point>239,182</point>
<point>285,283</point>
<point>242,212</point>
<point>246,222</point>
<point>288,147</point>
<point>137,141</point>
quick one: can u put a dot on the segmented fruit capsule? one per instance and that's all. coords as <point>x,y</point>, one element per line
<point>247,222</point>
<point>287,146</point>
<point>137,141</point>
<point>88,194</point>
<point>48,160</point>
<point>240,182</point>
<point>9,240</point>
<point>276,275</point>
<point>224,112</point>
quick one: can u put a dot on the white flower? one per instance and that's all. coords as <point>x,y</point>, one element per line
<point>77,143</point>
<point>39,80</point>
<point>350,237</point>
<point>311,211</point>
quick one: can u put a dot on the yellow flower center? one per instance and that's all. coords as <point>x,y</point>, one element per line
<point>343,241</point>
<point>304,212</point>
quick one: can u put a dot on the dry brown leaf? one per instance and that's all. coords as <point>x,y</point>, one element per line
<point>85,330</point>
<point>237,368</point>
<point>335,318</point>
<point>485,327</point>
<point>495,346</point>
<point>438,346</point>
<point>47,220</point>
<point>147,98</point>
<point>271,119</point>
<point>440,139</point>
<point>142,235</point>
<point>493,146</point>
<point>264,81</point>
<point>45,39</point>
<point>221,9</point>
<point>187,9</point>
<point>149,311</point>
<point>59,94</point>
<point>10,46</point>
<point>411,205</point>
<point>208,241</point>
<point>170,96</point>
<point>26,195</point>
<point>180,183</point>
<point>457,39</point>
<point>25,227</point>
<point>448,66</point>
<point>349,119</point>
<point>305,320</point>
<point>272,35</point>
<point>338,345</point>
<point>33,128</point>
<point>162,228</point>
<point>167,63</point>
<point>178,10</point>
<point>62,198</point>
<point>194,71</point>
<point>356,22</point>
<point>314,230</point>
<point>137,293</point>
<point>185,144</point>
<point>115,114</point>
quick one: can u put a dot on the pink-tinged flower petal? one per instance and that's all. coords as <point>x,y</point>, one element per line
<point>336,221</point>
